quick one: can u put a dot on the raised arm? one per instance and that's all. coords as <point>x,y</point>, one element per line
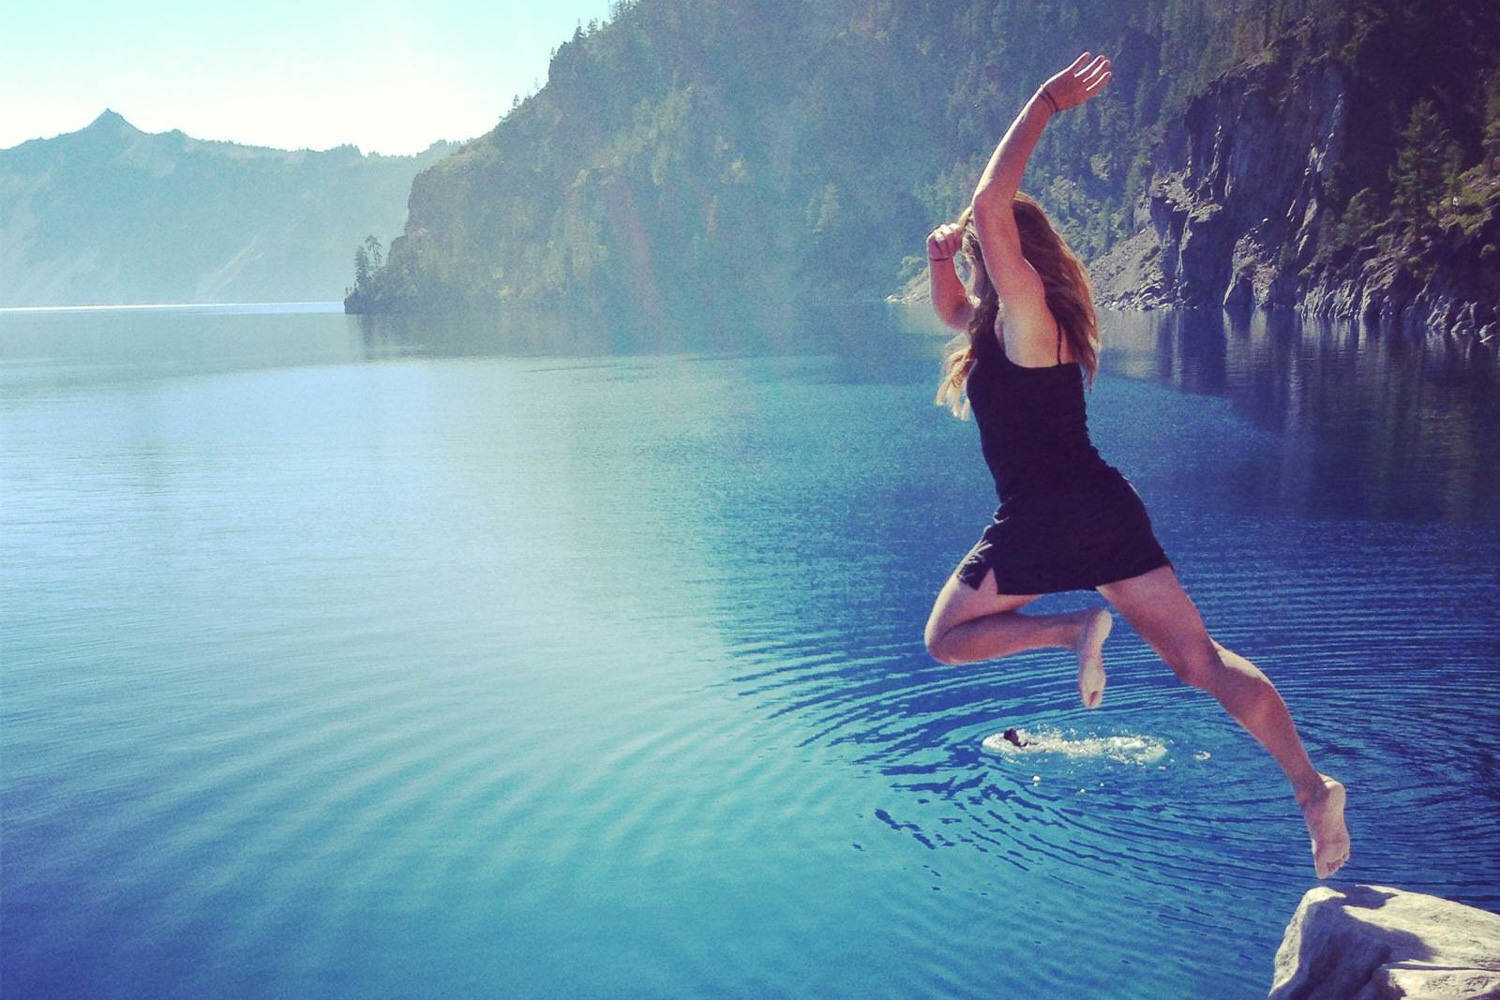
<point>1068,89</point>
<point>1015,280</point>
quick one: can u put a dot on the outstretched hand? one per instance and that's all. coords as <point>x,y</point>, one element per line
<point>1078,82</point>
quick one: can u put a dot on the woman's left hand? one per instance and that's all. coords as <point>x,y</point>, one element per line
<point>944,241</point>
<point>1078,82</point>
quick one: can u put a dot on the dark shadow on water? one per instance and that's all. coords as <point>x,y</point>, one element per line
<point>1370,424</point>
<point>1274,364</point>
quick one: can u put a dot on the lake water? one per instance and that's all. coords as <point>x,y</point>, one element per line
<point>436,659</point>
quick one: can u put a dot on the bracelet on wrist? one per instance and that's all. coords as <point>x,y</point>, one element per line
<point>1051,100</point>
<point>937,260</point>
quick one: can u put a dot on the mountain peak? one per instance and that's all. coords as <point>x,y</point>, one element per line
<point>111,121</point>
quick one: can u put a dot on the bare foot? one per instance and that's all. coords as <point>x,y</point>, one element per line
<point>1324,812</point>
<point>1089,647</point>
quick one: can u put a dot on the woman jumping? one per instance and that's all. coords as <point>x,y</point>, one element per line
<point>1067,519</point>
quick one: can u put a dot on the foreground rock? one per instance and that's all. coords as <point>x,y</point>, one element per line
<point>1371,942</point>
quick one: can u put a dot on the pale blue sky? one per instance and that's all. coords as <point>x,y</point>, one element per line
<point>389,77</point>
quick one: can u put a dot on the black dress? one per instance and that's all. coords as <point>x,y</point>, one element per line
<point>1067,519</point>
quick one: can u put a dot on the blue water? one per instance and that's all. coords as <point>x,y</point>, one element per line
<point>435,659</point>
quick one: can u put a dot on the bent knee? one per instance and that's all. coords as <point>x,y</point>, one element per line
<point>940,648</point>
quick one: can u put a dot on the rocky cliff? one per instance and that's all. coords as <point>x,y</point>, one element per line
<point>1249,204</point>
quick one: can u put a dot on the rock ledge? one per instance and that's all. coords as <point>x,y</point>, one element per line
<point>1372,942</point>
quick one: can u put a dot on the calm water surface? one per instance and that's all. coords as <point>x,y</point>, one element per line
<point>428,659</point>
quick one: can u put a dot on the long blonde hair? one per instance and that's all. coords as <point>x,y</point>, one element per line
<point>1064,280</point>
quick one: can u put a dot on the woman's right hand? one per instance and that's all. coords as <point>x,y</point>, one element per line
<point>944,241</point>
<point>1078,82</point>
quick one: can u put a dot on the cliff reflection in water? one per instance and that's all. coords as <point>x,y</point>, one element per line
<point>875,343</point>
<point>1368,424</point>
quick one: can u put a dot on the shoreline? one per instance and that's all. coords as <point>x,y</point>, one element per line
<point>310,306</point>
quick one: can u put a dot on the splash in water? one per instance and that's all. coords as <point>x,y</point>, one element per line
<point>1127,748</point>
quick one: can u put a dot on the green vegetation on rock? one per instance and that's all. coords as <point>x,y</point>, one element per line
<point>762,156</point>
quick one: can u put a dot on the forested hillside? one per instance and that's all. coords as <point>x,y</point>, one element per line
<point>763,156</point>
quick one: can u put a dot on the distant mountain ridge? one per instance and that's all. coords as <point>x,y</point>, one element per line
<point>114,215</point>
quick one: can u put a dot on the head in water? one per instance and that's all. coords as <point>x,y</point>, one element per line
<point>1064,280</point>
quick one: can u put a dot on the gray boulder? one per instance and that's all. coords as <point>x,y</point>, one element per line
<point>1372,942</point>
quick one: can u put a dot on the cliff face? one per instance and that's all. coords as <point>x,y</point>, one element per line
<point>684,159</point>
<point>694,158</point>
<point>1233,180</point>
<point>1248,194</point>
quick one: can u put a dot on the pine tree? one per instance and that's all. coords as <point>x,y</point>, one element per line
<point>376,251</point>
<point>1492,131</point>
<point>361,268</point>
<point>1422,166</point>
<point>1361,216</point>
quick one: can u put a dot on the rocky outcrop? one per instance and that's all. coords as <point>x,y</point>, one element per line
<point>1242,197</point>
<point>1371,942</point>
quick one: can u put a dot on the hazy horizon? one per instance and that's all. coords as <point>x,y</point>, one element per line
<point>384,77</point>
<point>238,142</point>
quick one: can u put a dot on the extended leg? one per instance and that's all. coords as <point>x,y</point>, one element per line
<point>1160,610</point>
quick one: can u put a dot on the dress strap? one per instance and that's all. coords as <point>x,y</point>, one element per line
<point>1059,342</point>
